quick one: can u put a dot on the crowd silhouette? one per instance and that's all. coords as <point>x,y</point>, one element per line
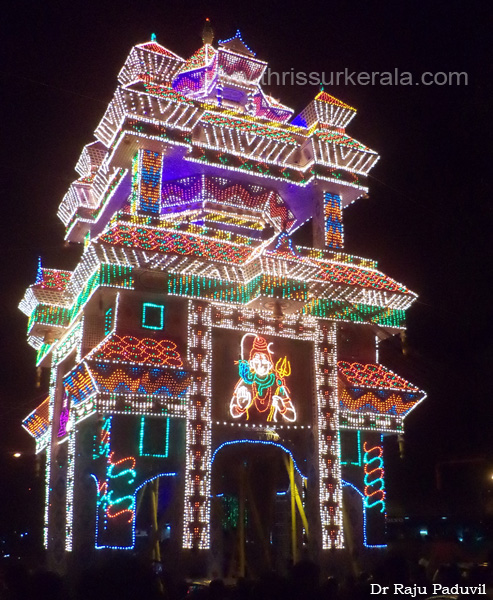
<point>129,578</point>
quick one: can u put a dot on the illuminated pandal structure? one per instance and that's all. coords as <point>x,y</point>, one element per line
<point>194,325</point>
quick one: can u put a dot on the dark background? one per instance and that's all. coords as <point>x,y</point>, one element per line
<point>427,219</point>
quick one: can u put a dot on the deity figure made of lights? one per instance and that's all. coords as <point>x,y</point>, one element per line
<point>261,390</point>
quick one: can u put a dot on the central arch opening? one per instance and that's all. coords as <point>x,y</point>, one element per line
<point>252,526</point>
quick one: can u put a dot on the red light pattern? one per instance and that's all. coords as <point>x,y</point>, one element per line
<point>373,376</point>
<point>374,474</point>
<point>361,277</point>
<point>176,243</point>
<point>153,47</point>
<point>198,72</point>
<point>164,91</point>
<point>53,279</point>
<point>137,350</point>
<point>232,64</point>
<point>324,97</point>
<point>273,112</point>
<point>278,209</point>
<point>329,135</point>
<point>200,58</point>
<point>125,470</point>
<point>198,189</point>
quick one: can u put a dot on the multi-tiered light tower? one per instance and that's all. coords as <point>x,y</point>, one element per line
<point>193,326</point>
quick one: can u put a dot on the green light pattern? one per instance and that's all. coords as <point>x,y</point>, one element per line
<point>227,291</point>
<point>58,316</point>
<point>357,313</point>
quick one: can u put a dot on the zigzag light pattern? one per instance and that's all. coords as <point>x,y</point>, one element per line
<point>128,379</point>
<point>394,404</point>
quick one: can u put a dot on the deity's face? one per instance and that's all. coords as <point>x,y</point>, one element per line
<point>260,364</point>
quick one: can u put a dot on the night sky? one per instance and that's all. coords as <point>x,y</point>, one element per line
<point>426,220</point>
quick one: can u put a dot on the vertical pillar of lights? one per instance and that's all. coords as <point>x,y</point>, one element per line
<point>334,233</point>
<point>70,483</point>
<point>134,197</point>
<point>196,521</point>
<point>70,343</point>
<point>102,449</point>
<point>49,451</point>
<point>146,181</point>
<point>108,321</point>
<point>250,105</point>
<point>219,93</point>
<point>328,439</point>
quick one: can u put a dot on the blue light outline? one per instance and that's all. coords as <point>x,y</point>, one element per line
<point>151,304</point>
<point>237,35</point>
<point>135,517</point>
<point>345,462</point>
<point>266,443</point>
<point>365,543</point>
<point>142,435</point>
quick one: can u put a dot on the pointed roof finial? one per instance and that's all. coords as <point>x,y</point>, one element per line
<point>237,45</point>
<point>39,272</point>
<point>207,33</point>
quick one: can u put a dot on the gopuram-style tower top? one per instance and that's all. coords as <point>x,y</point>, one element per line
<point>211,109</point>
<point>194,329</point>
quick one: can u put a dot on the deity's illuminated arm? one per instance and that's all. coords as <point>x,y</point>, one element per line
<point>240,401</point>
<point>283,405</point>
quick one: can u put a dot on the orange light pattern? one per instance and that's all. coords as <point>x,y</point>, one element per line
<point>373,376</point>
<point>324,97</point>
<point>141,351</point>
<point>177,243</point>
<point>149,182</point>
<point>116,379</point>
<point>38,421</point>
<point>125,468</point>
<point>395,404</point>
<point>79,385</point>
<point>333,221</point>
<point>358,276</point>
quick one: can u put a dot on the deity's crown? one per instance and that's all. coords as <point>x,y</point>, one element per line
<point>260,346</point>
